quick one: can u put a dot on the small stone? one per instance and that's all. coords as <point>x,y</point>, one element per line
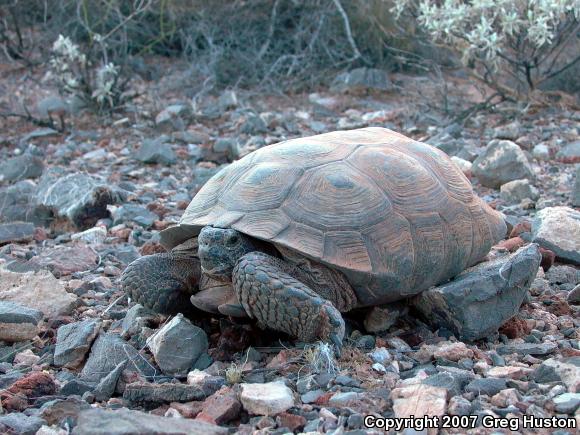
<point>452,382</point>
<point>453,351</point>
<point>505,398</point>
<point>489,386</point>
<point>566,370</point>
<point>570,153</point>
<point>92,236</point>
<point>362,79</point>
<point>100,422</point>
<point>156,151</point>
<point>73,342</point>
<point>311,396</point>
<point>177,346</point>
<point>20,168</point>
<point>106,386</point>
<point>17,322</point>
<point>514,192</point>
<point>541,152</point>
<point>26,358</point>
<point>380,355</point>
<point>575,195</point>
<point>171,117</point>
<point>558,229</point>
<point>567,403</point>
<point>136,318</point>
<point>221,407</point>
<point>66,260</point>
<point>459,406</point>
<point>134,213</point>
<point>26,390</point>
<point>508,372</point>
<point>416,401</point>
<point>20,423</point>
<point>266,399</point>
<point>479,300</point>
<point>293,422</point>
<point>228,100</point>
<point>527,348</point>
<point>16,232</point>
<point>501,161</point>
<point>344,399</point>
<point>510,131</point>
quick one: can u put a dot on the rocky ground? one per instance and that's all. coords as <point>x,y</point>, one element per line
<point>77,207</point>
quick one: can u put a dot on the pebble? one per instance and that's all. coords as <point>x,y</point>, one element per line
<point>558,229</point>
<point>514,192</point>
<point>17,322</point>
<point>266,399</point>
<point>567,403</point>
<point>73,342</point>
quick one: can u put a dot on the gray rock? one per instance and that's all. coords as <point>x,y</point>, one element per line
<point>563,275</point>
<point>574,295</point>
<point>566,370</point>
<point>136,318</point>
<point>21,168</point>
<point>106,386</point>
<point>489,386</point>
<point>156,151</point>
<point>20,423</point>
<point>172,117</point>
<point>78,197</point>
<point>108,351</point>
<point>177,346</point>
<point>17,322</point>
<point>558,229</point>
<point>15,232</point>
<point>381,318</point>
<point>567,403</point>
<point>146,393</point>
<point>59,410</point>
<point>479,300</point>
<point>134,213</point>
<point>514,192</point>
<point>126,422</point>
<point>527,348</point>
<point>541,152</point>
<point>76,387</point>
<point>254,124</point>
<point>224,145</point>
<point>575,196</point>
<point>311,396</point>
<point>501,161</point>
<point>570,153</point>
<point>17,203</point>
<point>453,383</point>
<point>362,79</point>
<point>510,131</point>
<point>228,100</point>
<point>73,342</point>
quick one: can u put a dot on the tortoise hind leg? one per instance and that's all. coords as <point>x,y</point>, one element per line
<point>162,282</point>
<point>279,301</point>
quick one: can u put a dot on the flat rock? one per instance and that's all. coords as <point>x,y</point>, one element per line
<point>514,192</point>
<point>558,229</point>
<point>80,198</point>
<point>125,422</point>
<point>566,370</point>
<point>479,300</point>
<point>20,423</point>
<point>177,345</point>
<point>108,351</point>
<point>527,348</point>
<point>16,232</point>
<point>65,260</point>
<point>38,290</point>
<point>20,168</point>
<point>266,399</point>
<point>416,401</point>
<point>73,342</point>
<point>501,161</point>
<point>489,386</point>
<point>56,411</point>
<point>107,385</point>
<point>17,322</point>
<point>150,394</point>
<point>451,382</point>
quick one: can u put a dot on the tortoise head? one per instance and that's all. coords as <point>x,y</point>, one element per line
<point>220,249</point>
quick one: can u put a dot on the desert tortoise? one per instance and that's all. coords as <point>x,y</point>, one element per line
<point>308,228</point>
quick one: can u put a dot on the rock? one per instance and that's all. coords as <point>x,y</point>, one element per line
<point>18,323</point>
<point>146,393</point>
<point>16,232</point>
<point>38,290</point>
<point>266,399</point>
<point>56,411</point>
<point>170,118</point>
<point>78,197</point>
<point>136,318</point>
<point>514,192</point>
<point>73,342</point>
<point>66,260</point>
<point>254,124</point>
<point>489,386</point>
<point>570,153</point>
<point>17,203</point>
<point>510,131</point>
<point>563,275</point>
<point>459,406</point>
<point>123,422</point>
<point>106,386</point>
<point>26,358</point>
<point>380,355</point>
<point>452,351</point>
<point>39,133</point>
<point>22,393</point>
<point>566,370</point>
<point>221,407</point>
<point>502,161</point>
<point>541,152</point>
<point>575,195</point>
<point>108,351</point>
<point>510,372</point>
<point>92,236</point>
<point>340,400</point>
<point>228,100</point>
<point>381,318</point>
<point>362,79</point>
<point>156,151</point>
<point>479,300</point>
<point>574,295</point>
<point>52,106</point>
<point>505,398</point>
<point>134,213</point>
<point>567,403</point>
<point>558,229</point>
<point>21,168</point>
<point>451,382</point>
<point>527,348</point>
<point>417,401</point>
<point>20,423</point>
<point>177,346</point>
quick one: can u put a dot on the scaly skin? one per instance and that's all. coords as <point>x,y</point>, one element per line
<point>279,301</point>
<point>163,282</point>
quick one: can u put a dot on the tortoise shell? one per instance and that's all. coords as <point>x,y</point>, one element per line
<point>396,216</point>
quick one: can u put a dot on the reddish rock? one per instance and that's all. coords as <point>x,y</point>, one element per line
<point>151,248</point>
<point>548,258</point>
<point>65,260</point>
<point>221,407</point>
<point>515,327</point>
<point>26,390</point>
<point>522,227</point>
<point>512,244</point>
<point>323,399</point>
<point>291,421</point>
<point>188,409</point>
<point>182,205</point>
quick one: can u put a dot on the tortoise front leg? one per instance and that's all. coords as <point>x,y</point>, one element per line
<point>279,301</point>
<point>163,282</point>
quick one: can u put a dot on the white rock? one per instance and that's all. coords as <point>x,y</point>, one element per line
<point>95,235</point>
<point>266,399</point>
<point>39,290</point>
<point>558,229</point>
<point>418,401</point>
<point>541,152</point>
